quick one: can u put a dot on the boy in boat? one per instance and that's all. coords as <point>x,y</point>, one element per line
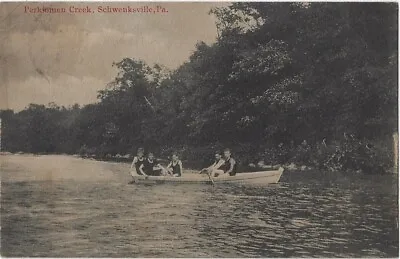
<point>138,161</point>
<point>229,167</point>
<point>175,166</point>
<point>151,166</point>
<point>215,166</point>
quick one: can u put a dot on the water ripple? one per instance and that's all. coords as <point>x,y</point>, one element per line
<point>303,216</point>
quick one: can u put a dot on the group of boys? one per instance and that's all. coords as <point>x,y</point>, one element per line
<point>148,166</point>
<point>223,165</point>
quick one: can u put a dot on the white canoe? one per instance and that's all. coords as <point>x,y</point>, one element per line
<point>261,177</point>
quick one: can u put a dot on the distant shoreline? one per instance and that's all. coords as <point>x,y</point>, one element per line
<point>190,165</point>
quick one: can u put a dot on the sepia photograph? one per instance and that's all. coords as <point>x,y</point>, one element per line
<point>199,129</point>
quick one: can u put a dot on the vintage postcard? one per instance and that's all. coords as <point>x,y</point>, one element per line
<point>199,129</point>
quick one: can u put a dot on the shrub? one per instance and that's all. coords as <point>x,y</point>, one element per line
<point>353,155</point>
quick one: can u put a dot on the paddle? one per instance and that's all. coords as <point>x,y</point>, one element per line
<point>209,177</point>
<point>133,179</point>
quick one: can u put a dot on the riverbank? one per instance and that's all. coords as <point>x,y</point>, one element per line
<point>193,165</point>
<point>349,155</point>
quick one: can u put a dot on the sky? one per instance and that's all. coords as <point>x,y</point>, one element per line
<point>67,57</point>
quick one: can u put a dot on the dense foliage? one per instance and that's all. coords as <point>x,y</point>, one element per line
<point>285,82</point>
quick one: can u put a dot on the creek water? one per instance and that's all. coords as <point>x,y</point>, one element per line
<point>62,206</point>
